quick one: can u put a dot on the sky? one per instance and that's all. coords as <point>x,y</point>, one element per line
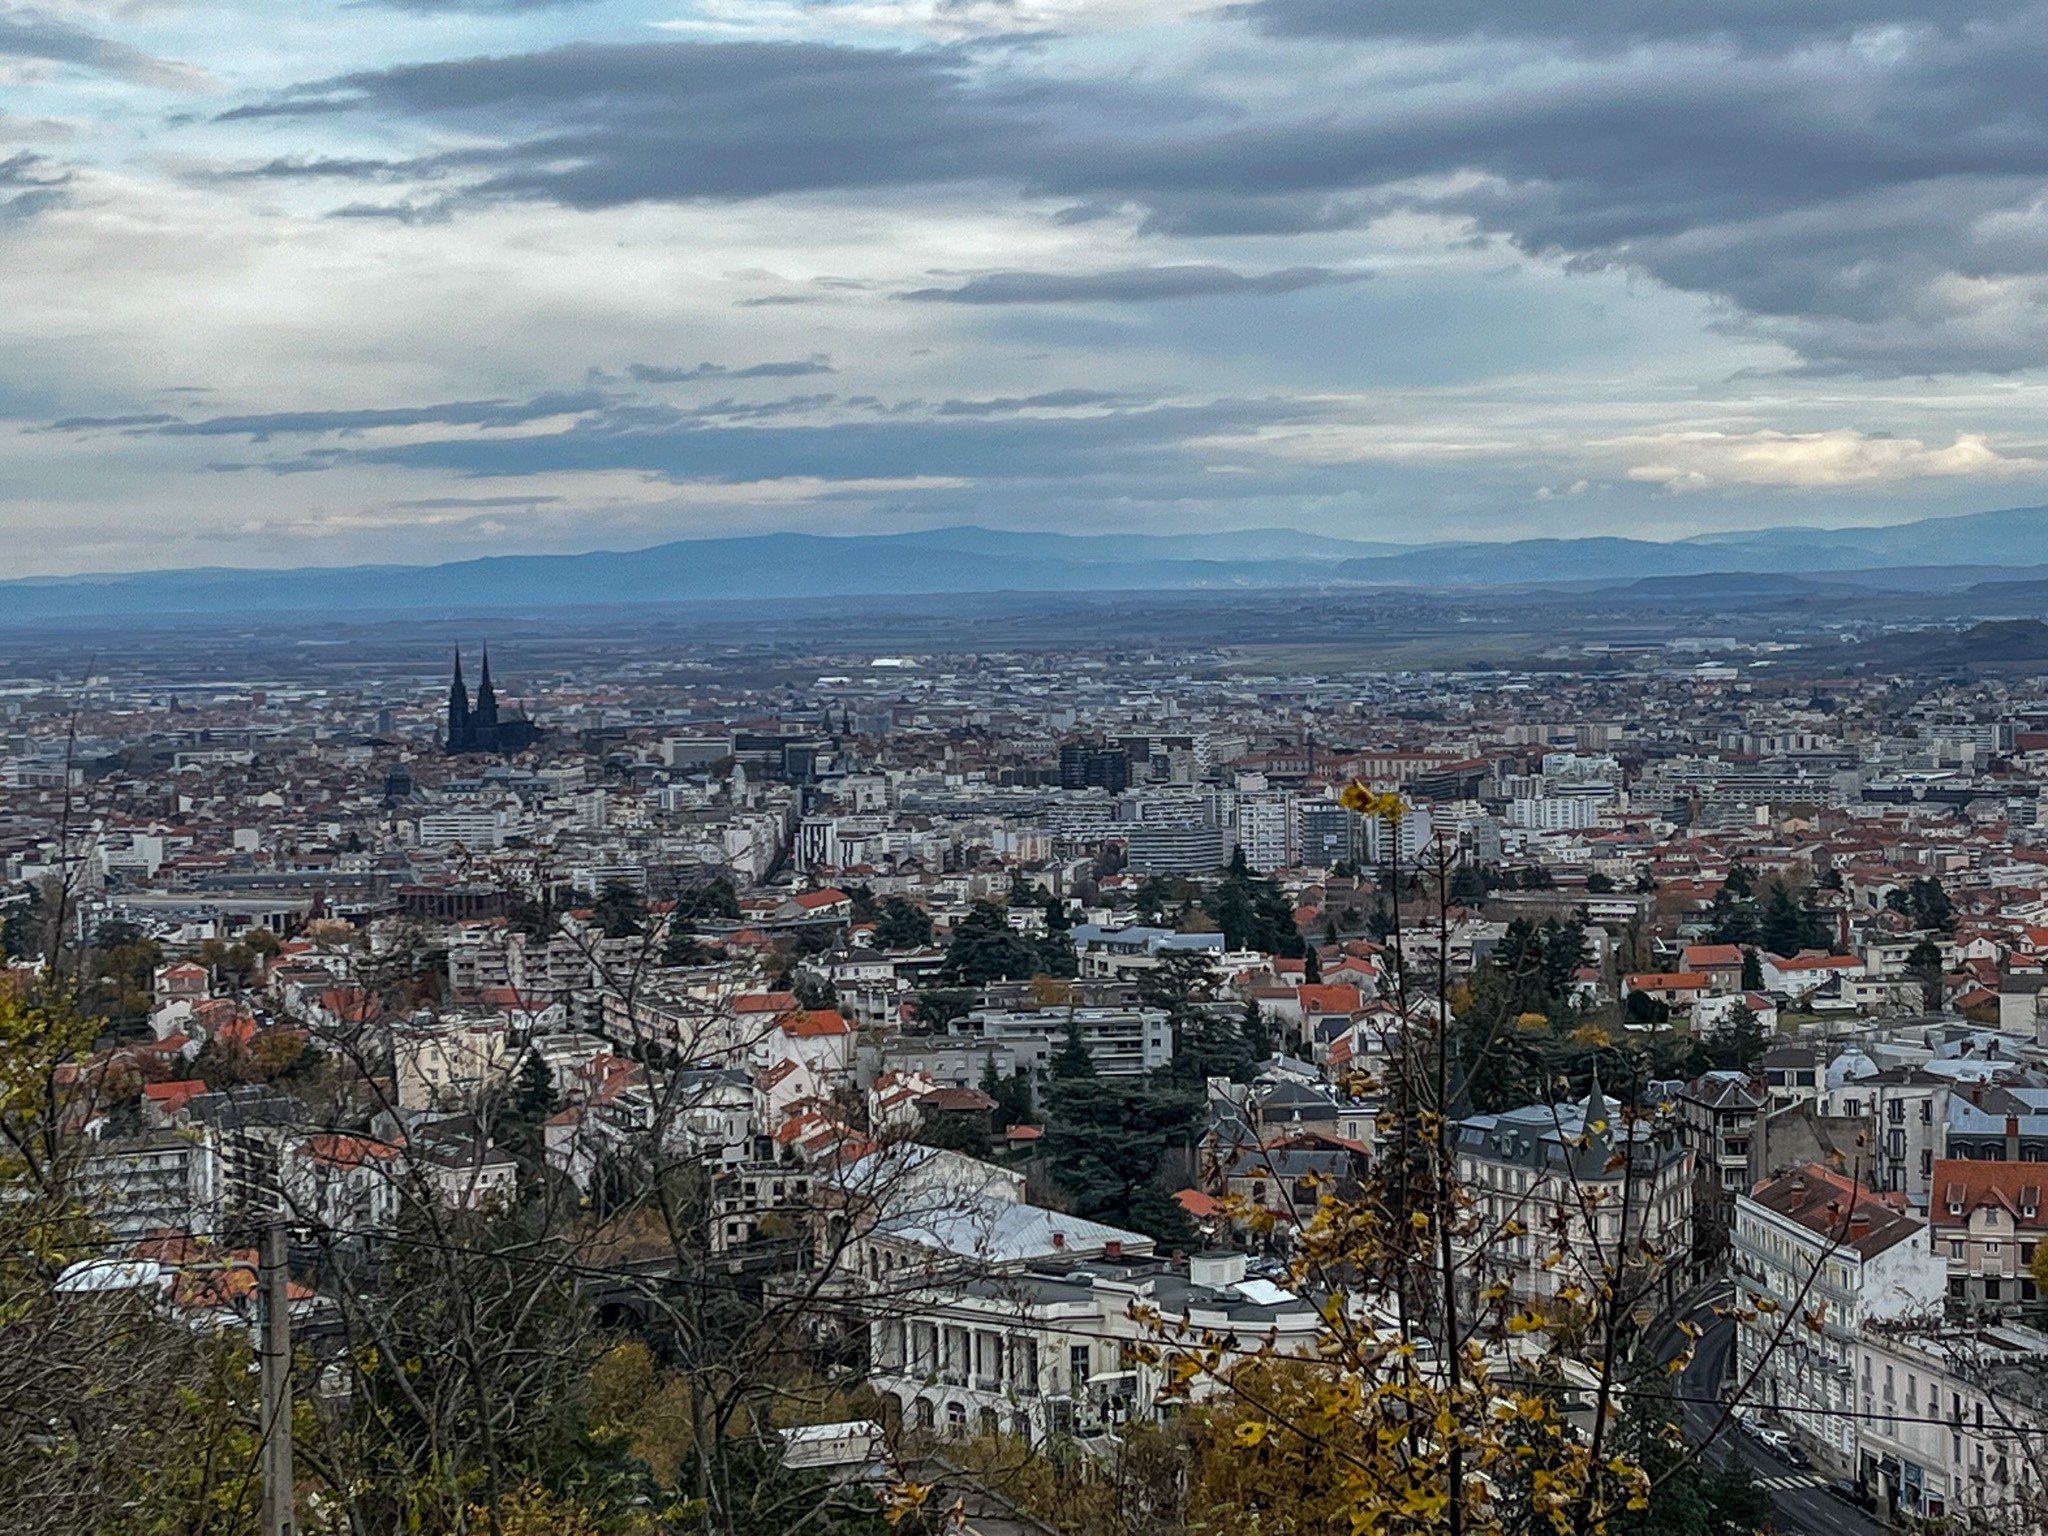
<point>415,280</point>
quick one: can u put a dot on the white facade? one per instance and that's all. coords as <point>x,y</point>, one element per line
<point>1953,1423</point>
<point>1818,1261</point>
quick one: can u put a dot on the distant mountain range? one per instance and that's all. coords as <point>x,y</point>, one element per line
<point>2008,547</point>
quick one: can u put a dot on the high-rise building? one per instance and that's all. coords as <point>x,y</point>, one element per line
<point>1085,766</point>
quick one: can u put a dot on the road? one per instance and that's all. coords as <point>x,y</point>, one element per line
<point>1800,1499</point>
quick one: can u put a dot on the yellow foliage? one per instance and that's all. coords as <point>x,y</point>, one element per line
<point>1361,797</point>
<point>533,1511</point>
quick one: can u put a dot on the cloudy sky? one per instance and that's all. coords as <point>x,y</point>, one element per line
<point>315,282</point>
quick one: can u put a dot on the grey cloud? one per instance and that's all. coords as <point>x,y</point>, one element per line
<point>1831,192</point>
<point>1051,400</point>
<point>300,168</point>
<point>397,213</point>
<point>1117,444</point>
<point>27,34</point>
<point>476,413</point>
<point>444,503</point>
<point>651,373</point>
<point>1754,23</point>
<point>1127,285</point>
<point>594,125</point>
<point>30,183</point>
<point>98,423</point>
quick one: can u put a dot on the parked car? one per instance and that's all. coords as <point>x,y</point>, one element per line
<point>1849,1492</point>
<point>1792,1456</point>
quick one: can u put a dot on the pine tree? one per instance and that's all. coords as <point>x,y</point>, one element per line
<point>1258,1035</point>
<point>1072,1060</point>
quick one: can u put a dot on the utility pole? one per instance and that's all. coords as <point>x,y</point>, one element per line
<point>273,1281</point>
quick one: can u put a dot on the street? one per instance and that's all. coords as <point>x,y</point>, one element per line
<point>1800,1499</point>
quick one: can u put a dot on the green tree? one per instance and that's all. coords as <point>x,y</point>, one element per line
<point>1782,932</point>
<point>1106,1141</point>
<point>1752,970</point>
<point>1468,885</point>
<point>1012,1095</point>
<point>619,911</point>
<point>902,924</point>
<point>1253,912</point>
<point>1924,965</point>
<point>522,1114</point>
<point>986,948</point>
<point>1071,1060</point>
<point>1258,1035</point>
<point>1930,905</point>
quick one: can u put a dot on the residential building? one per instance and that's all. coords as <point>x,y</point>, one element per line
<point>1818,1259</point>
<point>1986,1219</point>
<point>1952,1421</point>
<point>1564,1189</point>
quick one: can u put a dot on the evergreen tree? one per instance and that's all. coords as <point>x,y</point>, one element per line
<point>1752,970</point>
<point>1072,1060</point>
<point>1258,1036</point>
<point>986,948</point>
<point>1468,885</point>
<point>902,924</point>
<point>1781,930</point>
<point>619,912</point>
<point>521,1115</point>
<point>680,944</point>
<point>1311,967</point>
<point>1924,965</point>
<point>1931,907</point>
<point>1106,1140</point>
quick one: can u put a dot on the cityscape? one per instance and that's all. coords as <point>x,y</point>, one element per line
<point>1023,768</point>
<point>1015,1041</point>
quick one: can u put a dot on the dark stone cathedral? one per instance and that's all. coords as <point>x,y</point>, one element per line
<point>479,727</point>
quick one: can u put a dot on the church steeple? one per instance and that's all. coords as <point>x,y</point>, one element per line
<point>459,720</point>
<point>486,716</point>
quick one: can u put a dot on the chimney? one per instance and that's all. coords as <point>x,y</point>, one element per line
<point>1059,1239</point>
<point>1977,1094</point>
<point>2012,1125</point>
<point>1113,1248</point>
<point>1859,1226</point>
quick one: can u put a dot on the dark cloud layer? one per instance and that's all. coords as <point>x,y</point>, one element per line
<point>985,441</point>
<point>470,413</point>
<point>652,373</point>
<point>1870,203</point>
<point>28,34</point>
<point>1127,285</point>
<point>1756,23</point>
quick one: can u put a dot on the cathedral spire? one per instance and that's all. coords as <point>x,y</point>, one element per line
<point>458,709</point>
<point>486,696</point>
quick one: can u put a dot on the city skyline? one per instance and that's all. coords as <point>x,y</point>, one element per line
<point>421,281</point>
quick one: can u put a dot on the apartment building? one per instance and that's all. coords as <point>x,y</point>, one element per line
<point>1952,1424</point>
<point>1819,1260</point>
<point>1987,1219</point>
<point>1591,1182</point>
